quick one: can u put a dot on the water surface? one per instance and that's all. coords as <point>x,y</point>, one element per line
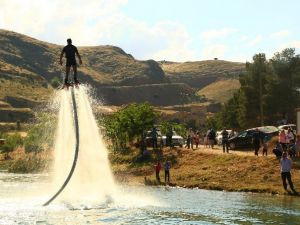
<point>21,197</point>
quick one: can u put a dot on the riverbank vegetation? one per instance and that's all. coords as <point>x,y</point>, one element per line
<point>27,149</point>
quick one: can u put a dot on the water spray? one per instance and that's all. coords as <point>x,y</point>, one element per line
<point>76,150</point>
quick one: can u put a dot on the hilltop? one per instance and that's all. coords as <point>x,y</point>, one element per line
<point>28,66</point>
<point>198,74</point>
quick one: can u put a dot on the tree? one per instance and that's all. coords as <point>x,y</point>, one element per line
<point>283,89</point>
<point>253,88</point>
<point>129,123</point>
<point>231,114</point>
<point>269,92</point>
<point>166,126</point>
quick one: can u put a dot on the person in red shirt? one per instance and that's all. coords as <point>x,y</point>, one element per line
<point>157,170</point>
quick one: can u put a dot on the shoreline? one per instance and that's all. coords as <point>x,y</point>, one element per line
<point>203,168</point>
<point>211,169</point>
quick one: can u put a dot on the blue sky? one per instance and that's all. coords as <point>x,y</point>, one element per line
<point>175,30</point>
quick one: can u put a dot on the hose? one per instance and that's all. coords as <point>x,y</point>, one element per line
<point>76,150</point>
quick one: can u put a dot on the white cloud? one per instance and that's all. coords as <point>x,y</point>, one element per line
<point>255,41</point>
<point>281,34</point>
<point>163,41</point>
<point>217,33</point>
<point>214,51</point>
<point>60,19</point>
<point>292,44</point>
<point>96,22</point>
<point>244,38</point>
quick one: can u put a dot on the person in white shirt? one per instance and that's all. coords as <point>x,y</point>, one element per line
<point>285,169</point>
<point>290,137</point>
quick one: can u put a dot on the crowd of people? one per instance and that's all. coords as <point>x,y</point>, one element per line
<point>208,140</point>
<point>287,142</point>
<point>287,146</point>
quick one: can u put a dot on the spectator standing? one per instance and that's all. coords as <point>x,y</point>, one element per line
<point>211,137</point>
<point>197,139</point>
<point>157,171</point>
<point>282,139</point>
<point>265,145</point>
<point>205,140</point>
<point>188,142</point>
<point>225,140</point>
<point>290,136</point>
<point>154,135</point>
<point>169,137</point>
<point>232,133</point>
<point>192,135</point>
<point>278,150</point>
<point>256,141</point>
<point>285,169</point>
<point>167,168</point>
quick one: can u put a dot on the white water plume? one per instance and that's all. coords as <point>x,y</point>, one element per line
<point>92,180</point>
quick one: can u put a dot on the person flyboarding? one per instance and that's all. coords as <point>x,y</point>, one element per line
<point>69,51</point>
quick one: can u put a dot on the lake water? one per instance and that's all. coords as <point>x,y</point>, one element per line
<point>21,197</point>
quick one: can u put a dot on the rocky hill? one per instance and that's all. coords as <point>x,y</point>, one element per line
<point>28,66</point>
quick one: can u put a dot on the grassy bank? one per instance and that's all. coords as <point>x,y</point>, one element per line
<point>20,162</point>
<point>202,168</point>
<point>209,169</point>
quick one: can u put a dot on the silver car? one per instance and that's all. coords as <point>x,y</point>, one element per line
<point>177,140</point>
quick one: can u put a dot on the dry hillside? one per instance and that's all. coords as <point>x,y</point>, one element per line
<point>221,90</point>
<point>198,74</point>
<point>28,66</point>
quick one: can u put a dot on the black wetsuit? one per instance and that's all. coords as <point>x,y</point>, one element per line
<point>70,51</point>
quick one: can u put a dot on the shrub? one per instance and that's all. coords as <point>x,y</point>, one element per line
<point>11,143</point>
<point>55,82</point>
<point>29,163</point>
<point>40,135</point>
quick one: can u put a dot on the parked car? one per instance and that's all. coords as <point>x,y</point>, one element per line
<point>177,140</point>
<point>244,138</point>
<point>285,127</point>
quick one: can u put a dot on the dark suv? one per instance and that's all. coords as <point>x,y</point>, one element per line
<point>244,138</point>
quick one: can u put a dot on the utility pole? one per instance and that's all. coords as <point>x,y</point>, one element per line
<point>261,61</point>
<point>260,101</point>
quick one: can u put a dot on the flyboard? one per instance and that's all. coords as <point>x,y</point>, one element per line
<point>76,145</point>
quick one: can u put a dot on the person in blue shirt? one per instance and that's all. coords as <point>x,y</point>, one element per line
<point>285,169</point>
<point>167,168</point>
